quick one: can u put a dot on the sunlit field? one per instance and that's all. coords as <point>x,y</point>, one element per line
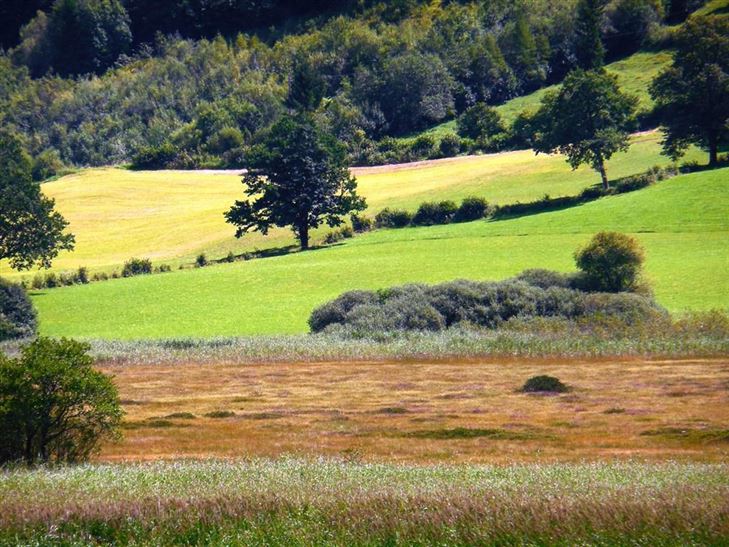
<point>682,223</point>
<point>171,216</point>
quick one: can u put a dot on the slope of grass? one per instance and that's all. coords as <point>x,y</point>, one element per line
<point>683,224</point>
<point>171,216</point>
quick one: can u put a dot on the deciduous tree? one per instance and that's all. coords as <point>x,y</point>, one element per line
<point>32,232</point>
<point>588,120</point>
<point>692,95</point>
<point>297,177</point>
<point>54,407</point>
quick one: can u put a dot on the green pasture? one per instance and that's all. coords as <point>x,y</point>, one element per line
<point>683,224</point>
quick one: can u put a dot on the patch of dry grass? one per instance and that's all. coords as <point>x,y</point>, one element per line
<point>419,412</point>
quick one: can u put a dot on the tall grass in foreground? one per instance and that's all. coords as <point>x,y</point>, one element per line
<point>295,502</point>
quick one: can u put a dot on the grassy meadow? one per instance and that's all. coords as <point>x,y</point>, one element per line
<point>682,223</point>
<point>325,502</point>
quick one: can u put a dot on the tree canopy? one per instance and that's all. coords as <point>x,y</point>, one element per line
<point>589,48</point>
<point>54,407</point>
<point>31,230</point>
<point>297,177</point>
<point>692,95</point>
<point>611,262</point>
<point>587,120</point>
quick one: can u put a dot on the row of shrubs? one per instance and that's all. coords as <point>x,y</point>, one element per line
<point>472,304</point>
<point>428,214</point>
<point>131,268</point>
<point>476,208</point>
<point>606,286</point>
<point>431,213</point>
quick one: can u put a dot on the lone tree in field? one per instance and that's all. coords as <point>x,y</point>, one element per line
<point>54,407</point>
<point>31,230</point>
<point>611,262</point>
<point>297,177</point>
<point>692,95</point>
<point>589,48</point>
<point>587,120</point>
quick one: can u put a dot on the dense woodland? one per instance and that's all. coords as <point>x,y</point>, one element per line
<point>190,84</point>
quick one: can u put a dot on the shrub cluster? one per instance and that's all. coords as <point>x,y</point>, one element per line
<point>430,213</point>
<point>51,280</point>
<point>393,218</point>
<point>544,384</point>
<point>433,213</point>
<point>361,224</point>
<point>473,304</point>
<point>17,316</point>
<point>345,232</point>
<point>137,266</point>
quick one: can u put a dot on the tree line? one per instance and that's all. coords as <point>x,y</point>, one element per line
<point>83,88</point>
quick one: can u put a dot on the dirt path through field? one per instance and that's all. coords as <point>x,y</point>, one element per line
<point>427,412</point>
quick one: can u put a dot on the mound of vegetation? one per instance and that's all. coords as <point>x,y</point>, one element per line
<point>610,263</point>
<point>473,304</point>
<point>544,384</point>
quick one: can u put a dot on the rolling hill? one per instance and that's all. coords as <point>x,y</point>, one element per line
<point>681,222</point>
<point>171,216</point>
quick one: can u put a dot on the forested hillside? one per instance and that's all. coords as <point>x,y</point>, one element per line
<point>188,84</point>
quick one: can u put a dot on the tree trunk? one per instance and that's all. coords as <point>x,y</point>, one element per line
<point>713,151</point>
<point>603,175</point>
<point>304,236</point>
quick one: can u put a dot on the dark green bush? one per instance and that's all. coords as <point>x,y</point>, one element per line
<point>155,157</point>
<point>82,276</point>
<point>544,384</point>
<point>480,123</point>
<point>51,280</point>
<point>393,218</point>
<point>611,262</point>
<point>47,164</point>
<point>361,224</point>
<point>17,316</point>
<point>423,147</point>
<point>472,208</point>
<point>136,266</point>
<point>201,260</point>
<point>450,145</point>
<point>431,213</point>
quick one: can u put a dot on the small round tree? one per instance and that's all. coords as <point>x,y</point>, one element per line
<point>611,262</point>
<point>54,407</point>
